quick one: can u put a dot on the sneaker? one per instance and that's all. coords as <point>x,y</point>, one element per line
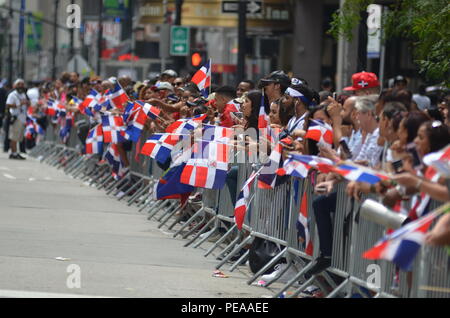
<point>321,263</point>
<point>16,157</point>
<point>196,198</point>
<point>286,277</point>
<point>311,292</point>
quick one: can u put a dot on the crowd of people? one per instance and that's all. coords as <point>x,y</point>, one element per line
<point>389,131</point>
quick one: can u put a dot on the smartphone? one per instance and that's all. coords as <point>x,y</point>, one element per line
<point>345,149</point>
<point>411,149</point>
<point>398,166</point>
<point>335,96</point>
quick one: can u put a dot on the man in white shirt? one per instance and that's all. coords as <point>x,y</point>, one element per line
<point>365,115</point>
<point>17,103</point>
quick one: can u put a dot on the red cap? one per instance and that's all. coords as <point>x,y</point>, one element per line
<point>363,80</point>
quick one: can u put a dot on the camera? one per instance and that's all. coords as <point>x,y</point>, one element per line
<point>398,166</point>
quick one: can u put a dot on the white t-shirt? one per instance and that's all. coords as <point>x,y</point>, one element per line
<point>18,99</point>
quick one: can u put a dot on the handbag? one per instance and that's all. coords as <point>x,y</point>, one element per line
<point>260,253</point>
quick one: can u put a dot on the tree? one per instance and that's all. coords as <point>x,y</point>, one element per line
<point>426,23</point>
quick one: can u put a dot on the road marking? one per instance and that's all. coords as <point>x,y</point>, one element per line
<point>31,179</point>
<point>9,176</point>
<point>31,294</point>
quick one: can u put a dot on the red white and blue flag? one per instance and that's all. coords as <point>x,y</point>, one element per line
<point>170,187</point>
<point>112,156</point>
<point>263,118</point>
<point>89,103</point>
<point>439,161</point>
<point>402,245</point>
<point>94,140</point>
<point>186,125</point>
<point>267,177</point>
<point>159,146</point>
<point>303,226</point>
<point>299,165</point>
<point>203,79</point>
<point>117,96</point>
<point>243,201</point>
<point>52,107</point>
<point>354,172</point>
<point>420,202</point>
<point>136,124</point>
<point>320,132</point>
<point>208,166</point>
<point>113,129</point>
<point>66,127</point>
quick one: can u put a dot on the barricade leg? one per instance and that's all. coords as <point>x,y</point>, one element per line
<point>208,224</point>
<point>191,219</point>
<point>241,260</point>
<point>295,279</point>
<point>134,186</point>
<point>154,208</point>
<point>169,215</point>
<point>103,182</point>
<point>221,240</point>
<point>140,192</point>
<point>236,249</point>
<point>166,209</point>
<point>213,231</point>
<point>341,286</point>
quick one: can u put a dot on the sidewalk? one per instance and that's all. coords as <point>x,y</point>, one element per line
<point>45,214</point>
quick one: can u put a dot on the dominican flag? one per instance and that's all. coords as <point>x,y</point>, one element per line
<point>159,146</point>
<point>217,133</point>
<point>242,202</point>
<point>30,130</point>
<point>420,202</point>
<point>112,156</point>
<point>89,102</point>
<point>169,186</point>
<point>203,79</point>
<point>233,106</point>
<point>439,161</point>
<point>66,127</point>
<point>299,165</point>
<point>60,110</point>
<point>130,111</point>
<point>136,124</point>
<point>302,225</point>
<point>320,132</point>
<point>117,96</point>
<point>268,175</point>
<point>94,140</point>
<point>354,172</point>
<point>52,107</point>
<point>402,245</point>
<point>208,166</point>
<point>113,129</point>
<point>263,118</point>
<point>186,125</point>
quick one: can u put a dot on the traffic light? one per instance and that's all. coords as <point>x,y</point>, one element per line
<point>198,58</point>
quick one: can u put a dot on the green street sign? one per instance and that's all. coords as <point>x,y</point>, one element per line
<point>179,40</point>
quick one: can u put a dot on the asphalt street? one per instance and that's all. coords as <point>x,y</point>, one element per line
<point>51,224</point>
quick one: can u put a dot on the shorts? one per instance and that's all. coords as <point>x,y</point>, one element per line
<point>16,131</point>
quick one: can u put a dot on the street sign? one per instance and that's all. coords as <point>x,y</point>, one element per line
<point>179,40</point>
<point>253,7</point>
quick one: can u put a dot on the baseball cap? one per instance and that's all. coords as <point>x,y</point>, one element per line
<point>363,80</point>
<point>276,77</point>
<point>400,78</point>
<point>164,85</point>
<point>170,73</point>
